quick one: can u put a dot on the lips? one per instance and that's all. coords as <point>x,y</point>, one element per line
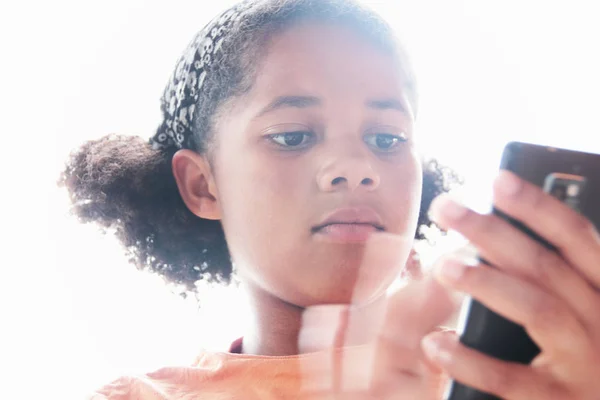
<point>352,216</point>
<point>349,225</point>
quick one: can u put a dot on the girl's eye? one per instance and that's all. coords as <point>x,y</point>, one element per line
<point>291,140</point>
<point>385,142</point>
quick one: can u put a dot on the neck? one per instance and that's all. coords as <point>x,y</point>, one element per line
<point>274,324</point>
<point>274,327</point>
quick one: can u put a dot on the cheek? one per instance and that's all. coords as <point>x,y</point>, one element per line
<point>264,208</point>
<point>256,185</point>
<point>403,190</point>
<point>262,201</point>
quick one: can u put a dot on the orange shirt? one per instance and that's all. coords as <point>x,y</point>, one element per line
<point>215,376</point>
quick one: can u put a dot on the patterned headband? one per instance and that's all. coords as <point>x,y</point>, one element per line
<point>181,95</point>
<point>179,99</point>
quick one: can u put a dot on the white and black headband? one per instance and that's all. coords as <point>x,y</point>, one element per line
<point>180,97</point>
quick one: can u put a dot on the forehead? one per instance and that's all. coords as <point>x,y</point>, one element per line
<point>328,59</point>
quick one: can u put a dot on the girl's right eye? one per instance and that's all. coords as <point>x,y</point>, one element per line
<point>292,140</point>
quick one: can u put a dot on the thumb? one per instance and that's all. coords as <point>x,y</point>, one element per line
<point>323,327</point>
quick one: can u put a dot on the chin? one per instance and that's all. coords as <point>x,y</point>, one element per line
<point>347,282</point>
<point>342,293</point>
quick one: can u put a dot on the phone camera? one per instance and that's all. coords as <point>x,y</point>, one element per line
<point>559,191</point>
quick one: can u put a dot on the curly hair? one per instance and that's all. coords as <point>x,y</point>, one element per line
<point>124,184</point>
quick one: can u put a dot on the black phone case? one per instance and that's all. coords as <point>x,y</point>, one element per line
<point>484,329</point>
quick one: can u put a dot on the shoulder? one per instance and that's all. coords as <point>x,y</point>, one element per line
<point>119,389</point>
<point>212,374</point>
<point>166,382</point>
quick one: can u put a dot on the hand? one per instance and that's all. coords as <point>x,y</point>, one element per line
<point>554,295</point>
<point>373,351</point>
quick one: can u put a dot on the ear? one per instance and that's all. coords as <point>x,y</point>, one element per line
<point>196,184</point>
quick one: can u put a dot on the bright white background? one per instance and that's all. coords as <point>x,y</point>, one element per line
<point>74,313</point>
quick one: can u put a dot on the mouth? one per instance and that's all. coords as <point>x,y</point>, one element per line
<point>347,232</point>
<point>350,225</point>
<point>347,226</point>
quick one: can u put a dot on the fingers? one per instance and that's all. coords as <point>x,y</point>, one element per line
<point>322,327</point>
<point>513,251</point>
<point>574,235</point>
<point>492,236</point>
<point>548,320</point>
<point>506,380</point>
<point>392,361</point>
<point>416,309</point>
<point>375,346</point>
<point>412,312</point>
<point>413,269</point>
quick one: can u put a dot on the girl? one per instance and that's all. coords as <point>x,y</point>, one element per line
<point>287,155</point>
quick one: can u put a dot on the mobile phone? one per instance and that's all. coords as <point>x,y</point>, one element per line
<point>572,177</point>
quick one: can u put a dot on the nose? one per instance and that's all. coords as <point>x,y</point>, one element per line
<point>350,173</point>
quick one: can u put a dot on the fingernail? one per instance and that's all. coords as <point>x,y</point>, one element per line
<point>437,347</point>
<point>468,255</point>
<point>445,207</point>
<point>451,270</point>
<point>508,184</point>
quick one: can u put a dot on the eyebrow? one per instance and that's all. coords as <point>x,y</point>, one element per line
<point>290,101</point>
<point>312,101</point>
<point>387,104</point>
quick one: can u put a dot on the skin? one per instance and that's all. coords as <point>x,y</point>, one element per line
<point>287,191</point>
<point>300,287</point>
<point>554,295</point>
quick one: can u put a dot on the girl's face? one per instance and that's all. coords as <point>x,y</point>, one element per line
<point>325,129</point>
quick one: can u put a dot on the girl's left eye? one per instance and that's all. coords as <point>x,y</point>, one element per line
<point>385,142</point>
<point>291,140</point>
